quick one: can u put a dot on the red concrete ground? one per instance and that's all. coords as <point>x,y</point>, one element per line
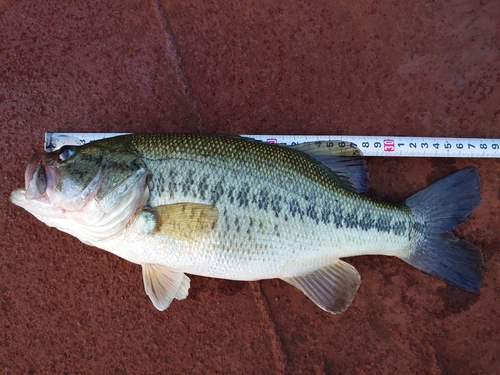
<point>428,68</point>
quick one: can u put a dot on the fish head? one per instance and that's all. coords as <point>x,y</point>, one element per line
<point>90,191</point>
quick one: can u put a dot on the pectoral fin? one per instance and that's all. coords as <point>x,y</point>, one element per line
<point>185,221</point>
<point>163,284</point>
<point>332,287</point>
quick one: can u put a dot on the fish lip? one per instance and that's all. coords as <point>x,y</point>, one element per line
<point>17,196</point>
<point>31,177</point>
<point>52,176</point>
<point>40,178</point>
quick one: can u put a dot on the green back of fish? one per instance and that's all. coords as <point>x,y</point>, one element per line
<point>248,156</point>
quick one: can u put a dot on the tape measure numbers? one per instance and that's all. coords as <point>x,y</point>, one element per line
<point>369,145</point>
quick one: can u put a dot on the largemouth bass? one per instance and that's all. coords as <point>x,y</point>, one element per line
<point>234,208</point>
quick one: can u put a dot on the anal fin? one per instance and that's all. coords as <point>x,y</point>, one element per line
<point>162,284</point>
<point>332,288</point>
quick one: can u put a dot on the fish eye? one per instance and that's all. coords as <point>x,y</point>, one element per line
<point>66,152</point>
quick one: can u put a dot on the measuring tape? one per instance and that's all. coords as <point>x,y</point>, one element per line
<point>369,145</point>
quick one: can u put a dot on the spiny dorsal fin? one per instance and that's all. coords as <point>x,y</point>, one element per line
<point>163,284</point>
<point>344,159</point>
<point>332,287</point>
<point>185,221</point>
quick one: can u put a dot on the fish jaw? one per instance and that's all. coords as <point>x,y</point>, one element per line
<point>42,198</point>
<point>53,216</point>
<point>42,182</point>
<point>40,178</point>
<point>39,207</point>
<point>77,209</point>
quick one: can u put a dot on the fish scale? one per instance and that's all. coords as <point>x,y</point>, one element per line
<point>251,198</point>
<point>238,209</point>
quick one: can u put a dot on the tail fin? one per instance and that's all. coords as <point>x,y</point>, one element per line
<point>438,209</point>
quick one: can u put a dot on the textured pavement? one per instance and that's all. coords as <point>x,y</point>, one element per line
<point>422,68</point>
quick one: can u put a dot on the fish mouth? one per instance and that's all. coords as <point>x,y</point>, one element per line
<point>40,178</point>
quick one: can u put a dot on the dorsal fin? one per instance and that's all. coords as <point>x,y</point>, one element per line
<point>342,158</point>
